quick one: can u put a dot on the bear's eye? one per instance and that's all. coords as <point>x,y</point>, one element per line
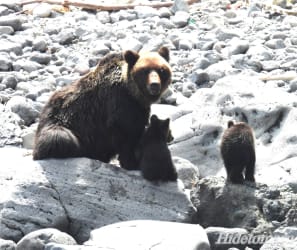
<point>162,71</point>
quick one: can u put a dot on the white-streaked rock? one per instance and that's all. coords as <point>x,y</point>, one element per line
<point>148,234</point>
<point>79,195</point>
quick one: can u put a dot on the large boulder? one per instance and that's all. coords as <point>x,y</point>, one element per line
<point>259,209</point>
<point>78,195</point>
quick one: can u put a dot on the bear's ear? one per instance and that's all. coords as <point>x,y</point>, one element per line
<point>154,119</point>
<point>164,52</point>
<point>131,57</point>
<point>230,124</point>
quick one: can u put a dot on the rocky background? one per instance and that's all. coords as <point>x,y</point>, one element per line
<point>230,61</point>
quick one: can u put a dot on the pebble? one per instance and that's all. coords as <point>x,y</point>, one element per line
<point>5,62</point>
<point>180,19</point>
<point>42,10</point>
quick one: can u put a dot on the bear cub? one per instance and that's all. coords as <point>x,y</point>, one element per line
<point>154,156</point>
<point>104,113</point>
<point>238,152</point>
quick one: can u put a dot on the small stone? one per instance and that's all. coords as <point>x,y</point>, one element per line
<point>180,19</point>
<point>238,46</point>
<point>293,86</point>
<point>14,22</point>
<point>41,58</point>
<point>145,12</point>
<point>5,62</point>
<point>100,49</point>
<point>66,36</point>
<point>103,17</point>
<point>6,30</point>
<point>42,10</point>
<point>185,44</point>
<point>165,23</point>
<point>4,11</point>
<point>10,81</point>
<point>225,34</point>
<point>179,5</point>
<point>200,77</point>
<point>7,245</point>
<point>275,44</point>
<point>24,108</point>
<point>38,239</point>
<point>8,46</point>
<point>130,43</point>
<point>40,45</point>
<point>202,63</point>
<point>165,12</point>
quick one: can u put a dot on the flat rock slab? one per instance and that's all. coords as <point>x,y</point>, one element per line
<point>79,195</point>
<point>147,234</point>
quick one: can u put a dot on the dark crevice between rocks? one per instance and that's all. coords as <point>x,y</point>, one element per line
<point>65,227</point>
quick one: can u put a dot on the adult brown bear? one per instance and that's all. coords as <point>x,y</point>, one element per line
<point>238,152</point>
<point>104,113</point>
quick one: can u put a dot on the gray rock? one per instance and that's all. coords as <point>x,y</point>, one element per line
<point>185,44</point>
<point>283,238</point>
<point>130,44</point>
<point>7,46</point>
<point>180,19</point>
<point>6,30</point>
<point>7,245</point>
<point>187,172</point>
<point>37,240</point>
<point>103,17</point>
<point>225,34</point>
<point>10,128</point>
<point>165,235</point>
<point>89,196</point>
<point>42,10</point>
<point>10,81</point>
<point>26,65</point>
<point>202,63</point>
<point>145,12</point>
<point>24,108</point>
<point>100,49</point>
<point>179,5</point>
<point>243,206</point>
<point>40,45</point>
<point>4,11</point>
<point>293,86</point>
<point>41,58</point>
<point>221,238</point>
<point>5,62</point>
<point>13,21</point>
<point>238,47</point>
<point>200,77</point>
<point>66,36</point>
<point>165,23</point>
<point>275,44</point>
<point>164,12</point>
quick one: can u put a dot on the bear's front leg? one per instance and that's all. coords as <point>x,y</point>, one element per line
<point>127,158</point>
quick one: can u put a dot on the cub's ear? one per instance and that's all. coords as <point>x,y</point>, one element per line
<point>230,124</point>
<point>131,57</point>
<point>166,122</point>
<point>164,52</point>
<point>154,119</point>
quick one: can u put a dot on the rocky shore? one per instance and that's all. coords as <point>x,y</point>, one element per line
<point>229,61</point>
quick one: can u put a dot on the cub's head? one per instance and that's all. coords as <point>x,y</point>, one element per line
<point>160,128</point>
<point>150,71</point>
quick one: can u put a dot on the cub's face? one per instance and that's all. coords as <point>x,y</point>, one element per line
<point>150,71</point>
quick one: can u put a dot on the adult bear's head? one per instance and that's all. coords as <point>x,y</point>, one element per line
<point>150,71</point>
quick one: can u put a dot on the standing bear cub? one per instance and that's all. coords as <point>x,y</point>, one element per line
<point>104,113</point>
<point>238,152</point>
<point>153,153</point>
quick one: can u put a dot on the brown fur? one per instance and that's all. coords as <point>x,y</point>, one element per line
<point>238,152</point>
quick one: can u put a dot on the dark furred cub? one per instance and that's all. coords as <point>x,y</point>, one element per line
<point>104,113</point>
<point>155,158</point>
<point>238,152</point>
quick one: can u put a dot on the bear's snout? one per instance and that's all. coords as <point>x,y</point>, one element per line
<point>154,88</point>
